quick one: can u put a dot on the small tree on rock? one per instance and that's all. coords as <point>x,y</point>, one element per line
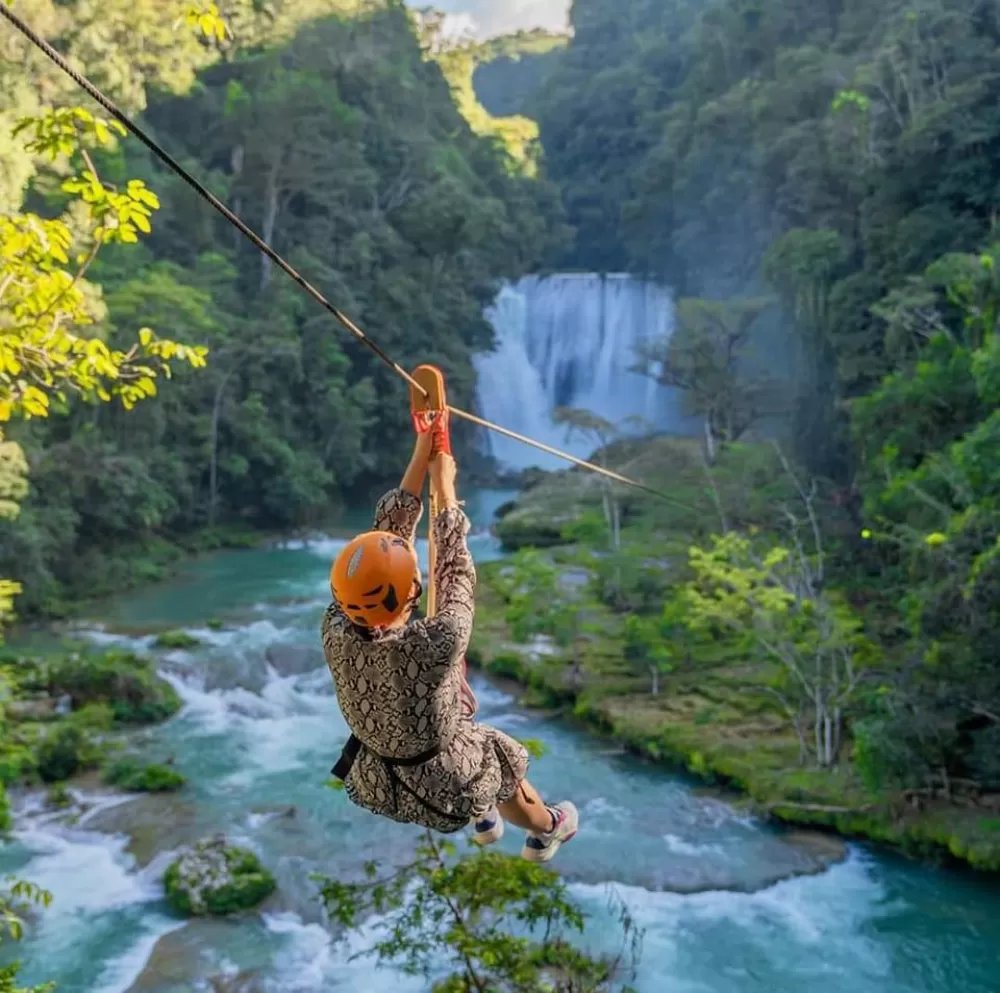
<point>601,433</point>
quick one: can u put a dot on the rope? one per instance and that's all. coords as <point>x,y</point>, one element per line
<point>304,284</point>
<point>432,512</point>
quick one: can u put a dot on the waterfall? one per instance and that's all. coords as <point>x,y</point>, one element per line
<point>569,341</point>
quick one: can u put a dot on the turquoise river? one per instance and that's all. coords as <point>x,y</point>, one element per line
<point>728,904</point>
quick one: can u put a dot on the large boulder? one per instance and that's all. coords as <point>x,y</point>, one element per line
<point>216,878</point>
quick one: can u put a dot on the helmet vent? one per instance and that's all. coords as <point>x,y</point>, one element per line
<point>352,566</point>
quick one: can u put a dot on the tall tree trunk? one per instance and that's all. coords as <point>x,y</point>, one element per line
<point>654,674</point>
<point>818,728</point>
<point>803,747</point>
<point>606,507</point>
<point>710,450</point>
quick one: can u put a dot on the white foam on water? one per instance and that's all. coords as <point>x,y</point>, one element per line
<point>809,926</point>
<point>330,548</point>
<point>598,811</point>
<point>490,695</point>
<point>34,807</point>
<point>93,883</point>
<point>84,871</point>
<point>280,729</point>
<point>313,961</point>
<point>306,605</point>
<point>482,543</point>
<point>99,635</point>
<point>120,973</point>
<point>679,846</point>
<point>258,634</point>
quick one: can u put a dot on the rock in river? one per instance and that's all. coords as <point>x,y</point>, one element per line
<point>215,877</point>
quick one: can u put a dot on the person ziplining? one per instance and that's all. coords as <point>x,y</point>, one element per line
<point>416,754</point>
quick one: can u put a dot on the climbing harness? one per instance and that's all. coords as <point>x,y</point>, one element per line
<point>350,753</point>
<point>84,83</point>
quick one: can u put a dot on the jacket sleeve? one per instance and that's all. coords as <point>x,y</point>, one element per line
<point>444,638</point>
<point>455,572</point>
<point>399,513</point>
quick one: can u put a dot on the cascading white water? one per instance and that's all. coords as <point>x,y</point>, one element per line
<point>570,341</point>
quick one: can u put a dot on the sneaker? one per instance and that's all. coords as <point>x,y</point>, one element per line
<point>488,828</point>
<point>540,847</point>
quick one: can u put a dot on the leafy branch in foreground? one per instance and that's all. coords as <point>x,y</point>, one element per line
<point>487,923</point>
<point>13,903</point>
<point>44,300</point>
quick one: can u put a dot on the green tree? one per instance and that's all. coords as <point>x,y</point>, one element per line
<point>536,603</point>
<point>490,923</point>
<point>644,647</point>
<point>47,305</point>
<point>932,502</point>
<point>772,602</point>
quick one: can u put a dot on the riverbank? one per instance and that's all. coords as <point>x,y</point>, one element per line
<point>714,715</point>
<point>67,713</point>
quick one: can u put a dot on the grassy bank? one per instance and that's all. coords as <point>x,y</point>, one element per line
<point>713,712</point>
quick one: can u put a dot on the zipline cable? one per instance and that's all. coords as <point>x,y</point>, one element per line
<point>303,283</point>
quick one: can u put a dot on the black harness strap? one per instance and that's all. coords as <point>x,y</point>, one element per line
<point>347,757</point>
<point>350,753</point>
<point>353,746</point>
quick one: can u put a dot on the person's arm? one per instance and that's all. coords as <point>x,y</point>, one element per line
<point>440,642</point>
<point>455,571</point>
<point>399,510</point>
<point>416,471</point>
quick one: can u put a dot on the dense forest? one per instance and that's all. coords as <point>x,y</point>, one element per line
<point>831,166</point>
<point>327,127</point>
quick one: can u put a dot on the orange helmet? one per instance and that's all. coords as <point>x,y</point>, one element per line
<point>372,578</point>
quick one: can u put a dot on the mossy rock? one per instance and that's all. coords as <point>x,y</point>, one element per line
<point>128,774</point>
<point>215,878</point>
<point>176,639</point>
<point>126,682</point>
<point>59,796</point>
<point>72,746</point>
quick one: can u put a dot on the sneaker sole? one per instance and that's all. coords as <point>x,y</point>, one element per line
<point>484,838</point>
<point>546,854</point>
